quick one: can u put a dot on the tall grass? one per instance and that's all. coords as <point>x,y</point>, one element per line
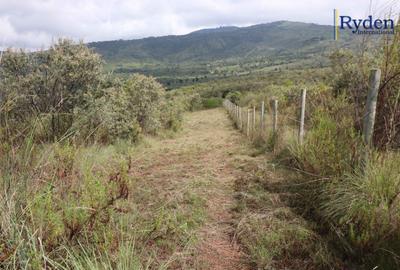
<point>356,207</point>
<point>365,208</point>
<point>69,207</point>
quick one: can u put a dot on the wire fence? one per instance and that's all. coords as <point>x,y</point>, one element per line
<point>266,120</point>
<point>261,121</point>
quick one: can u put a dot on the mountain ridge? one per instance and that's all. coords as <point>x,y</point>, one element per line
<point>224,41</point>
<point>206,52</point>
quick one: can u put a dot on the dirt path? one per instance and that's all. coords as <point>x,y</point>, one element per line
<point>202,159</point>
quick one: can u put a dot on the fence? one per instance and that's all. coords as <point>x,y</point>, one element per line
<point>261,121</point>
<point>254,121</point>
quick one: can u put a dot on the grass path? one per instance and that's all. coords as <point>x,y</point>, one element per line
<point>193,175</point>
<point>207,188</point>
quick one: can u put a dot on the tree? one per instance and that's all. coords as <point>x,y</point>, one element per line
<point>47,85</point>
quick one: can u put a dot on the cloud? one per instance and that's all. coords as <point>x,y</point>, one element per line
<point>36,23</point>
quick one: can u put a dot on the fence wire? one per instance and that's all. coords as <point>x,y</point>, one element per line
<point>268,120</point>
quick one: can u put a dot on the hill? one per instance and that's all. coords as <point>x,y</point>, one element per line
<point>222,51</point>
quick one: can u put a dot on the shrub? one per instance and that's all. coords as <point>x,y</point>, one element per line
<point>47,85</point>
<point>212,102</point>
<point>79,202</point>
<point>195,102</point>
<point>145,97</point>
<point>107,119</point>
<point>351,72</point>
<point>386,130</point>
<point>234,97</point>
<point>172,112</point>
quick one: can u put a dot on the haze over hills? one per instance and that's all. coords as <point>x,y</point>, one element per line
<point>223,50</point>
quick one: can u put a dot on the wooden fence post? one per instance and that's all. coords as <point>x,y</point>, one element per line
<point>254,121</point>
<point>369,117</point>
<point>262,117</point>
<point>235,113</point>
<point>240,119</point>
<point>275,115</point>
<point>248,122</point>
<point>302,116</point>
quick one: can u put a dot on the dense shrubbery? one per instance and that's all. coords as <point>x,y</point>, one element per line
<point>62,92</point>
<point>45,87</point>
<point>59,191</point>
<point>362,202</point>
<point>145,96</point>
<point>106,118</point>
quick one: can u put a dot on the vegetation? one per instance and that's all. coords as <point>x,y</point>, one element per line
<point>86,180</point>
<point>274,235</point>
<point>354,203</point>
<point>67,139</point>
<point>223,52</point>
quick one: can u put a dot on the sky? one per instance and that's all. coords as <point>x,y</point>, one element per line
<point>35,24</point>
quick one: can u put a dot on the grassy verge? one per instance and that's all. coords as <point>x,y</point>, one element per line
<point>66,207</point>
<point>273,233</point>
<point>354,207</point>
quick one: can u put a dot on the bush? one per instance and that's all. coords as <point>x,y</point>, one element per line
<point>195,102</point>
<point>172,112</point>
<point>145,97</point>
<point>351,72</point>
<point>107,119</point>
<point>213,102</point>
<point>80,200</point>
<point>234,97</point>
<point>46,85</point>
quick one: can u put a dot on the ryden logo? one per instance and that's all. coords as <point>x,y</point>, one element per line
<point>368,26</point>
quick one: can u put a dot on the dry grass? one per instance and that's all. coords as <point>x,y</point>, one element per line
<point>180,213</point>
<point>194,173</point>
<point>274,234</point>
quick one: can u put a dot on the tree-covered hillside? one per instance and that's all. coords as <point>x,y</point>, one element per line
<point>222,51</point>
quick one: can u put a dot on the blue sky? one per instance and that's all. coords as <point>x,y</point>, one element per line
<point>34,24</point>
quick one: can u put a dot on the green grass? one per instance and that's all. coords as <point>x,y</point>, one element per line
<point>70,214</point>
<point>274,236</point>
<point>211,103</point>
<point>365,208</point>
<point>354,210</point>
